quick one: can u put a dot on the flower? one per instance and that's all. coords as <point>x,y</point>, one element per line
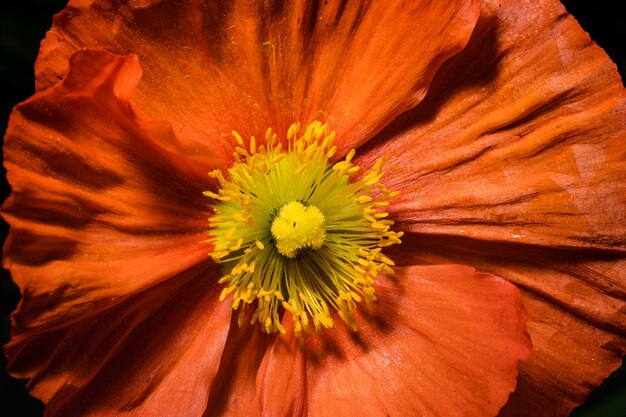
<point>500,124</point>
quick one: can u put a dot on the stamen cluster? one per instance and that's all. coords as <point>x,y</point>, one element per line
<point>326,264</point>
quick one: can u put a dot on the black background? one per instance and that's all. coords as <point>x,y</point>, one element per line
<point>23,25</point>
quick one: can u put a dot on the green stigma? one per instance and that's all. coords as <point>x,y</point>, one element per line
<point>295,233</point>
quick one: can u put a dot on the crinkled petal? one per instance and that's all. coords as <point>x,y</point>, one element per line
<point>233,392</point>
<point>520,139</point>
<point>214,66</point>
<point>576,301</point>
<point>440,341</point>
<point>98,211</point>
<point>281,388</point>
<point>155,354</point>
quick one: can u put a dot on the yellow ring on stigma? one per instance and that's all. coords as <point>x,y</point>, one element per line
<point>296,233</point>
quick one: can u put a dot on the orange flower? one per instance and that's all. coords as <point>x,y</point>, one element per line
<point>500,124</point>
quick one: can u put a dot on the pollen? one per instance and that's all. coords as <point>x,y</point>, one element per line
<point>298,227</point>
<point>297,234</point>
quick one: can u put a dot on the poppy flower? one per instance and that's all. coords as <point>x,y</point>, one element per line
<point>454,161</point>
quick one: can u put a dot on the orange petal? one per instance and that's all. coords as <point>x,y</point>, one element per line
<point>216,66</point>
<point>281,389</point>
<point>440,341</point>
<point>520,139</point>
<point>155,354</point>
<point>233,392</point>
<point>98,211</point>
<point>576,300</point>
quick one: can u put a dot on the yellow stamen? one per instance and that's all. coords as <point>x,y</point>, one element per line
<point>295,233</point>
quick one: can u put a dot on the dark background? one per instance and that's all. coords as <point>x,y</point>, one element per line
<point>23,25</point>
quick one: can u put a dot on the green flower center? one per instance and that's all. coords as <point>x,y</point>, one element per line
<point>295,233</point>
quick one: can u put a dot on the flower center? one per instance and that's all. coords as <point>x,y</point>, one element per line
<point>298,227</point>
<point>295,233</point>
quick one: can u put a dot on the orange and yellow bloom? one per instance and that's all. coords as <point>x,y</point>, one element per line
<point>320,269</point>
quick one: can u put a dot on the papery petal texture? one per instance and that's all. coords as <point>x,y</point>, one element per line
<point>214,66</point>
<point>99,211</point>
<point>440,341</point>
<point>576,300</point>
<point>119,310</point>
<point>521,138</point>
<point>155,354</point>
<point>234,388</point>
<point>281,383</point>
